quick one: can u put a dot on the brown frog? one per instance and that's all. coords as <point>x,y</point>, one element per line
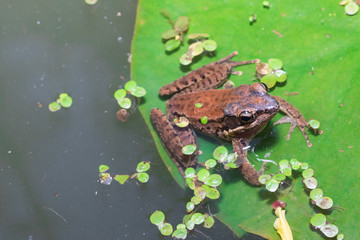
<point>235,114</point>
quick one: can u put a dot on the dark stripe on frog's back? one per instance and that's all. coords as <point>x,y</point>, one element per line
<point>198,79</point>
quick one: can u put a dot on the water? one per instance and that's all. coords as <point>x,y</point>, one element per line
<point>49,161</point>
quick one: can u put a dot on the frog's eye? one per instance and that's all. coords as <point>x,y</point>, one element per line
<point>264,86</point>
<point>246,117</point>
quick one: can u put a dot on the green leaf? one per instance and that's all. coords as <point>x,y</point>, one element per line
<point>190,172</point>
<point>279,177</point>
<point>209,45</point>
<point>310,183</point>
<point>211,163</point>
<point>190,182</point>
<point>190,225</point>
<point>190,206</point>
<point>329,230</point>
<point>157,217</point>
<point>263,179</point>
<point>204,120</point>
<point>316,194</point>
<point>130,85</point>
<point>269,80</point>
<point>220,153</point>
<point>143,177</point>
<point>169,34</point>
<point>209,221</point>
<point>196,49</point>
<point>181,24</point>
<point>213,180</point>
<point>315,124</point>
<point>189,149</point>
<point>308,173</point>
<point>166,229</point>
<point>65,100</point>
<point>119,94</point>
<point>272,185</point>
<point>320,52</point>
<point>103,168</point>
<point>281,76</point>
<point>197,218</point>
<point>275,63</point>
<point>138,92</point>
<point>351,8</point>
<point>172,44</point>
<point>203,174</point>
<point>121,178</point>
<point>186,59</point>
<point>143,166</point>
<point>54,106</point>
<point>196,200</point>
<point>318,220</point>
<point>212,193</point>
<point>179,234</point>
<point>124,103</point>
<point>200,192</point>
<point>324,203</point>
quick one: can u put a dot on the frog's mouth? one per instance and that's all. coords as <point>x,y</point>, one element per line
<point>252,128</point>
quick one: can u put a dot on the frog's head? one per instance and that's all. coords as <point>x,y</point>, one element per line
<point>252,110</point>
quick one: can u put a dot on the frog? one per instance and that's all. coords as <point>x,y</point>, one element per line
<point>233,114</point>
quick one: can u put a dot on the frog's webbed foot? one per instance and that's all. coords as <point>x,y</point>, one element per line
<point>294,117</point>
<point>246,168</point>
<point>174,138</point>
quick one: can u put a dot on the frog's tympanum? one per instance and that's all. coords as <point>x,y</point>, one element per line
<point>235,114</point>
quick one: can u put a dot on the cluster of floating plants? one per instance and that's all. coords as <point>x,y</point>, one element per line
<point>175,37</point>
<point>318,221</point>
<point>204,184</point>
<point>271,72</point>
<point>123,97</point>
<point>200,42</point>
<point>351,7</point>
<point>64,100</point>
<point>141,174</point>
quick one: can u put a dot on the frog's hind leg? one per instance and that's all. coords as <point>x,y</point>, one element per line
<point>174,138</point>
<point>294,117</point>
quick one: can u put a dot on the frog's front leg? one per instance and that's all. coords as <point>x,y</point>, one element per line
<point>174,138</point>
<point>246,168</point>
<point>294,117</point>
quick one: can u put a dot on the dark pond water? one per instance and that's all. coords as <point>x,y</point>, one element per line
<point>49,161</point>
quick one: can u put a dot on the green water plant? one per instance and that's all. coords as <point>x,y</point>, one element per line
<point>200,43</point>
<point>204,185</point>
<point>64,100</point>
<point>351,6</point>
<point>317,198</point>
<point>141,174</point>
<point>271,72</point>
<point>126,96</point>
<point>174,37</point>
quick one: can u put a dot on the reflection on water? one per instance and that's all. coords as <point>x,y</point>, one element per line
<point>49,161</point>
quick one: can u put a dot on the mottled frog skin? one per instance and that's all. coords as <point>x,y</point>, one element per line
<point>236,114</point>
